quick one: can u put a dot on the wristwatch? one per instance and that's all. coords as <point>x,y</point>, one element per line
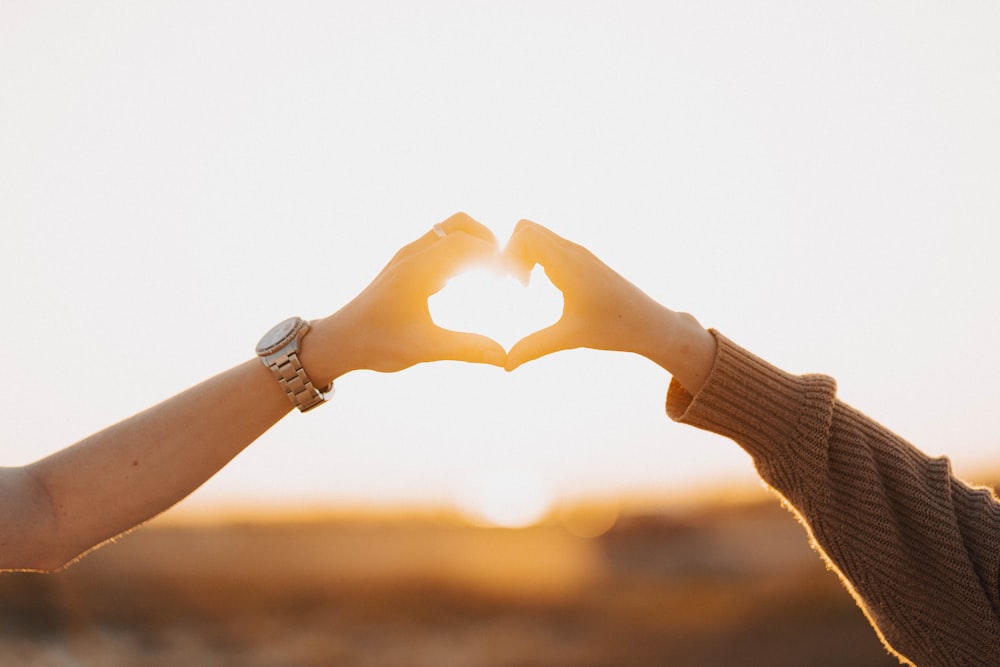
<point>279,350</point>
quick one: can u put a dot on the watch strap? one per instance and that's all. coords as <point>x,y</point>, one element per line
<point>292,378</point>
<point>279,350</point>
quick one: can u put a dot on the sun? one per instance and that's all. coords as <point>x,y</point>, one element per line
<point>486,301</point>
<point>506,499</point>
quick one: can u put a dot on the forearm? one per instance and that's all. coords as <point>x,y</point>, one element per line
<point>132,471</point>
<point>919,548</point>
<point>71,501</point>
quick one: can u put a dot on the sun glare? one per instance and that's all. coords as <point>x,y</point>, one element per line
<point>506,499</point>
<point>489,302</point>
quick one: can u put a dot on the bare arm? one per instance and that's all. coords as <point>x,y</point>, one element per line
<point>69,502</point>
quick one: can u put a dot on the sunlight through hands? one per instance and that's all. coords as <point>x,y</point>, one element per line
<point>486,300</point>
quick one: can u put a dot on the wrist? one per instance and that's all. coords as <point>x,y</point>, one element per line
<point>683,347</point>
<point>280,350</point>
<point>327,353</point>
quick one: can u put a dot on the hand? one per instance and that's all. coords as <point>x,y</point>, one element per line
<point>388,327</point>
<point>604,311</point>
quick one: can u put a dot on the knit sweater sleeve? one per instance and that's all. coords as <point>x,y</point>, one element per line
<point>919,549</point>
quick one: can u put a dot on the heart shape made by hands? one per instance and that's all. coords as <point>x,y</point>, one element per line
<point>493,303</point>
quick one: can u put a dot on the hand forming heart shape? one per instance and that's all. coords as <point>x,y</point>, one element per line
<point>600,309</point>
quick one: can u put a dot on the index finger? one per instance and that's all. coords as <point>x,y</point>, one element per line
<point>459,222</point>
<point>532,244</point>
<point>448,256</point>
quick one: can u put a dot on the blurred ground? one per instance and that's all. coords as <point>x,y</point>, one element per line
<point>723,586</point>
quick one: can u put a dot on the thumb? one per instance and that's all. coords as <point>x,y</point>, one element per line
<point>542,342</point>
<point>470,347</point>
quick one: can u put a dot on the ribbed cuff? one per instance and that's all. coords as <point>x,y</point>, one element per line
<point>763,408</point>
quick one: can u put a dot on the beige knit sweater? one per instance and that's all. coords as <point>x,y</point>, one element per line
<point>919,549</point>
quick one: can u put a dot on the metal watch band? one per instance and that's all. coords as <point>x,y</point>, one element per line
<point>279,350</point>
<point>293,380</point>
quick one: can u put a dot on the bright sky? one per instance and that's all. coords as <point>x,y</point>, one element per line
<point>818,180</point>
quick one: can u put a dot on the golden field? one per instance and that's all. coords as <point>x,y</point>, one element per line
<point>712,585</point>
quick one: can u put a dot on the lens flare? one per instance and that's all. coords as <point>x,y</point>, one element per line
<point>591,519</point>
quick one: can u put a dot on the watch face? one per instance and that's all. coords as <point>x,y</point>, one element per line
<point>279,335</point>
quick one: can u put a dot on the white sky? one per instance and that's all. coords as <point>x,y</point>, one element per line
<point>818,180</point>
